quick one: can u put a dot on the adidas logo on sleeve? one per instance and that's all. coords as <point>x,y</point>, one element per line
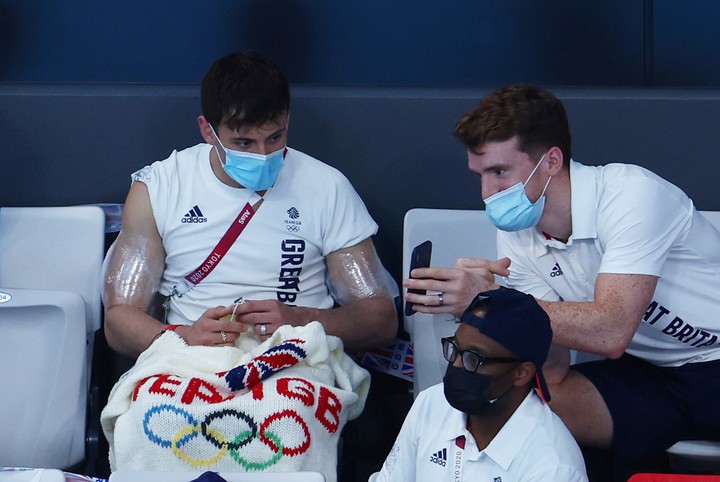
<point>439,457</point>
<point>194,216</point>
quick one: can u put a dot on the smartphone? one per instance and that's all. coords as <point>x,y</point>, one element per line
<point>420,258</point>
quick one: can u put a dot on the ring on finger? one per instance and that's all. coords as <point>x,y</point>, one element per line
<point>440,299</point>
<point>263,330</point>
<point>223,337</point>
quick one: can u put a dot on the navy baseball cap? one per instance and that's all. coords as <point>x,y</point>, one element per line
<point>517,322</point>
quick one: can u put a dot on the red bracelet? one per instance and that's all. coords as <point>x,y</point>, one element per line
<point>168,328</point>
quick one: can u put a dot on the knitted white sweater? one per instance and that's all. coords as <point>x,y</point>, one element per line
<point>278,406</point>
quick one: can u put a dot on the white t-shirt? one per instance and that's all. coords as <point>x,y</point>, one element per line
<point>311,211</point>
<point>627,220</point>
<point>533,445</point>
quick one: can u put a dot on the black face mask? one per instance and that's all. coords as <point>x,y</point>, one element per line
<point>467,391</point>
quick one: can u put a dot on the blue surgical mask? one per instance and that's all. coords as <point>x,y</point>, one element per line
<point>511,210</point>
<point>253,171</point>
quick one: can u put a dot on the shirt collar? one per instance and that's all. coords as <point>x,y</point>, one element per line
<point>455,425</point>
<point>583,189</point>
<point>503,448</point>
<point>583,200</point>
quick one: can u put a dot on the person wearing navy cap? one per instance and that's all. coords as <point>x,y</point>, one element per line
<point>487,420</point>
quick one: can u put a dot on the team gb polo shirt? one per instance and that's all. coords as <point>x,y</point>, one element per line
<point>627,220</point>
<point>434,445</point>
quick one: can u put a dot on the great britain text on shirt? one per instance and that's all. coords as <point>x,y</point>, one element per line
<point>290,268</point>
<point>677,327</point>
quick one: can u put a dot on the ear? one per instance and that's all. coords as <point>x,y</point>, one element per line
<point>524,374</point>
<point>205,130</point>
<point>554,159</point>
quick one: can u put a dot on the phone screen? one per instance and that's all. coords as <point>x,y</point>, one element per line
<point>420,258</point>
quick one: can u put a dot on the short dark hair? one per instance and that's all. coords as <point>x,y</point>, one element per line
<point>535,116</point>
<point>244,89</point>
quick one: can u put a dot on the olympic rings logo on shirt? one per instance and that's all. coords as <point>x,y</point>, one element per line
<point>250,430</point>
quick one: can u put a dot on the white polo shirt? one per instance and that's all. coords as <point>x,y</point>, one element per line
<point>627,220</point>
<point>533,445</point>
<point>310,212</point>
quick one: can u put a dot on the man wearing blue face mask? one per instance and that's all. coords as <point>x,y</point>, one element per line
<point>244,215</point>
<point>622,262</point>
<point>486,421</point>
<point>511,210</point>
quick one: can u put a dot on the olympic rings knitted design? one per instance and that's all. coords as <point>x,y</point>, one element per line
<point>273,406</point>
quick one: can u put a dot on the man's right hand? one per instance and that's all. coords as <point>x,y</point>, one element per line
<point>458,285</point>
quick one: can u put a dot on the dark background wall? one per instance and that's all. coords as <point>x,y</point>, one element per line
<point>421,43</point>
<point>91,91</point>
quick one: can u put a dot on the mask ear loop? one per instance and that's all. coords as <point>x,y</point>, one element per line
<point>546,185</point>
<point>533,171</point>
<point>218,150</point>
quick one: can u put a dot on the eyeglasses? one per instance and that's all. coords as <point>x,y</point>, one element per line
<point>471,361</point>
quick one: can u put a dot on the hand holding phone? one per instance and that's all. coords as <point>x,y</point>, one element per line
<point>420,258</point>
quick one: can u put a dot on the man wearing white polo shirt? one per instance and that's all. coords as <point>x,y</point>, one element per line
<point>624,265</point>
<point>486,421</point>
